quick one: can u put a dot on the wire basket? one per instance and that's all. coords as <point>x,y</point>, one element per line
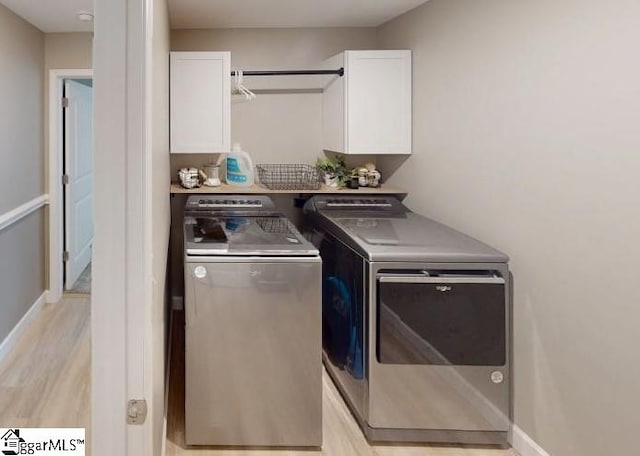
<point>289,177</point>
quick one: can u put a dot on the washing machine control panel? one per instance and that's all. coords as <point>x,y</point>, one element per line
<point>231,203</point>
<point>217,203</point>
<point>358,202</point>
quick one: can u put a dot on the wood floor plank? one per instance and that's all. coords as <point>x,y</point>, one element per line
<point>46,379</point>
<point>342,436</point>
<point>46,382</point>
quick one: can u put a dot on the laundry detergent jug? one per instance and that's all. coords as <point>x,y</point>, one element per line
<point>239,167</point>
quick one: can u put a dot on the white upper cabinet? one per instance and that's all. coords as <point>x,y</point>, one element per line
<point>200,97</point>
<point>368,110</point>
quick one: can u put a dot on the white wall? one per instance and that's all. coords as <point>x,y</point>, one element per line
<point>526,135</point>
<point>131,190</point>
<point>22,278</point>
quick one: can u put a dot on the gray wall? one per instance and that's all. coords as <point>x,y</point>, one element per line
<point>526,136</point>
<point>21,64</point>
<point>22,269</point>
<point>22,166</point>
<point>68,50</point>
<point>280,127</point>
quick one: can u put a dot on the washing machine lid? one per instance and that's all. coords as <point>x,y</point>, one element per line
<point>411,237</point>
<point>241,235</point>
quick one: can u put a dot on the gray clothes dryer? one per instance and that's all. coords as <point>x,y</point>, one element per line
<point>416,322</point>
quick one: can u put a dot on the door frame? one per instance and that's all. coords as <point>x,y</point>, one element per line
<point>55,171</point>
<point>122,286</point>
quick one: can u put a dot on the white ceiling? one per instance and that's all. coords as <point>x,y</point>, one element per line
<point>52,15</point>
<point>60,15</point>
<point>285,13</point>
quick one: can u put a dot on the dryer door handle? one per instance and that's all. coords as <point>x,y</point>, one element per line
<point>422,279</point>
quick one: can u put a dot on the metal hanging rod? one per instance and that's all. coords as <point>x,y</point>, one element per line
<point>339,72</point>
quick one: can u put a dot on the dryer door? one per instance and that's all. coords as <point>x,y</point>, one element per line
<point>446,319</point>
<point>441,351</point>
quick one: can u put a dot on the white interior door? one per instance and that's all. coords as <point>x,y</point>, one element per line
<point>78,164</point>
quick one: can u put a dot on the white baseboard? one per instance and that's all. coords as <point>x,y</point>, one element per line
<point>525,445</point>
<point>12,338</point>
<point>51,297</point>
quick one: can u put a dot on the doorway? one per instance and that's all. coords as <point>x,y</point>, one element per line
<point>70,182</point>
<point>77,188</point>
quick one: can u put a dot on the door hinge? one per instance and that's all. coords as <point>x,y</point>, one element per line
<point>65,179</point>
<point>65,102</point>
<point>136,411</point>
<point>65,255</point>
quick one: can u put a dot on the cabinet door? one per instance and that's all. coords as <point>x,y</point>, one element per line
<point>378,102</point>
<point>200,102</point>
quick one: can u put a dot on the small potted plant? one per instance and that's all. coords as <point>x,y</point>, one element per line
<point>354,177</point>
<point>333,169</point>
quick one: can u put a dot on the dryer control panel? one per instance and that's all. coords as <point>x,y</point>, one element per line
<point>355,203</point>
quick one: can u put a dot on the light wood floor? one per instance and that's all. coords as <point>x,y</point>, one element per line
<point>342,436</point>
<point>45,382</point>
<point>46,379</point>
<point>83,284</point>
